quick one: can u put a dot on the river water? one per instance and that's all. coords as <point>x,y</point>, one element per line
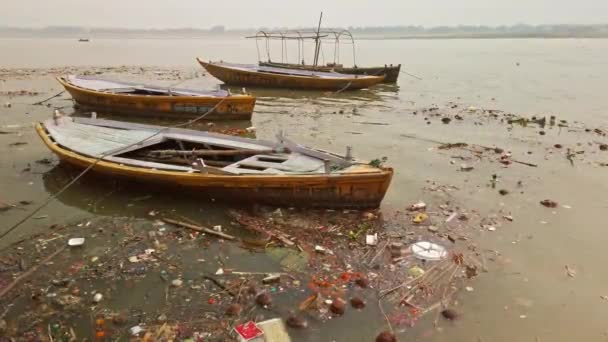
<point>527,295</point>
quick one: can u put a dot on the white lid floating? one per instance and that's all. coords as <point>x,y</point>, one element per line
<point>426,250</point>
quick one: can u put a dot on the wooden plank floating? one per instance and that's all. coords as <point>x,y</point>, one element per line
<point>200,229</point>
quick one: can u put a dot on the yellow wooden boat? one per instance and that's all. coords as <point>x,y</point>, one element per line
<point>221,166</point>
<point>263,76</point>
<point>150,100</point>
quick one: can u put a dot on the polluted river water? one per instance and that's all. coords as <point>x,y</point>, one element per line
<point>541,266</point>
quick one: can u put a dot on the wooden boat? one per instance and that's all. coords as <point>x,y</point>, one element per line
<point>131,98</point>
<point>318,35</point>
<point>270,77</point>
<point>391,72</point>
<point>221,166</point>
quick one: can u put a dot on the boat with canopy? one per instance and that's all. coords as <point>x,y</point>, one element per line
<point>252,75</point>
<point>320,36</point>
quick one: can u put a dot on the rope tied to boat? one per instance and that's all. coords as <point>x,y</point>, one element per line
<point>344,88</point>
<point>98,159</point>
<point>412,75</point>
<point>351,82</point>
<point>50,98</point>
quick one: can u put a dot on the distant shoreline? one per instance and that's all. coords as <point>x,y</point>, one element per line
<point>359,37</point>
<point>520,31</point>
<point>484,36</point>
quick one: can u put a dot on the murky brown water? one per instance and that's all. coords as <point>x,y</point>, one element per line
<point>526,296</point>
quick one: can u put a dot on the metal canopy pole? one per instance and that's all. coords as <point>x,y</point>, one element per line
<point>317,41</point>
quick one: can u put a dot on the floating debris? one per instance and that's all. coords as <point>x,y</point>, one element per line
<point>450,314</point>
<point>466,168</point>
<point>419,218</point>
<point>371,240</point>
<point>417,206</point>
<point>75,242</point>
<point>386,336</point>
<point>426,250</point>
<point>263,299</point>
<point>234,309</point>
<point>549,203</point>
<point>362,282</point>
<point>338,306</point>
<point>97,297</point>
<point>416,271</point>
<point>297,322</point>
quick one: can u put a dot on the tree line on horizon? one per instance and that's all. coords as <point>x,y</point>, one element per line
<point>389,31</point>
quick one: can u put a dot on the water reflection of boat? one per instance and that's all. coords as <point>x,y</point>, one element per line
<point>118,197</point>
<point>285,101</point>
<point>378,94</point>
<point>237,169</point>
<point>147,100</point>
<point>83,194</point>
<point>270,77</point>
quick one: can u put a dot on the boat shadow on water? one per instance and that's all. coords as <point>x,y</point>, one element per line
<point>101,195</point>
<point>301,102</point>
<point>379,93</point>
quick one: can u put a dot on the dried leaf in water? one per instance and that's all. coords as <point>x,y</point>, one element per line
<point>306,303</point>
<point>570,272</point>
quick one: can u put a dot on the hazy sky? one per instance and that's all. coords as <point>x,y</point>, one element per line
<point>276,13</point>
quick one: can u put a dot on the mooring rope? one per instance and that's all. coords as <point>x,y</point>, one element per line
<point>97,160</point>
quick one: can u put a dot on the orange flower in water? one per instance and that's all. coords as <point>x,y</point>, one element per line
<point>346,276</point>
<point>312,286</point>
<point>321,282</point>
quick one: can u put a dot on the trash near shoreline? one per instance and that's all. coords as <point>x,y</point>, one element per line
<point>170,278</point>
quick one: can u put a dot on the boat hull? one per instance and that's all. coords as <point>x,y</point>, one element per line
<point>237,77</point>
<point>349,190</point>
<point>234,107</point>
<point>391,72</point>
